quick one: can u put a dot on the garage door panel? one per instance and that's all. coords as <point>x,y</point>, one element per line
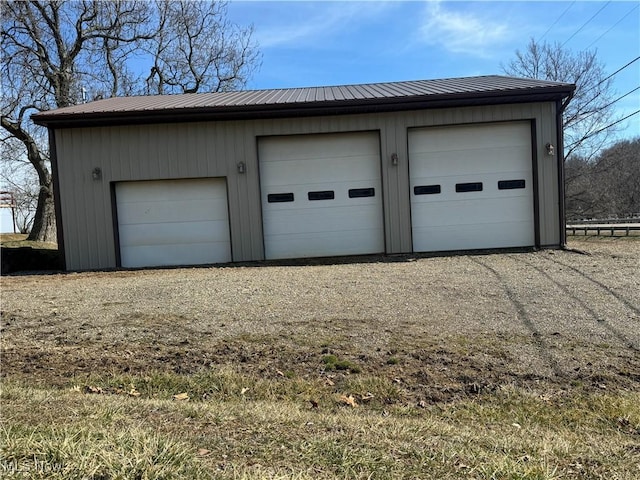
<point>167,255</point>
<point>471,212</point>
<point>174,233</point>
<point>443,200</point>
<point>340,189</point>
<point>173,222</point>
<point>304,206</point>
<point>465,237</point>
<point>340,198</point>
<point>318,170</point>
<point>471,162</point>
<point>479,137</point>
<point>333,220</point>
<point>320,244</point>
<point>489,187</point>
<point>331,164</point>
<point>307,147</point>
<point>166,191</point>
<point>158,212</point>
<point>441,158</point>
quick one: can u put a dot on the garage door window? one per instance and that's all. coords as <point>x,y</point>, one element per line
<point>426,189</point>
<point>362,192</point>
<point>469,187</point>
<point>486,199</point>
<point>280,197</point>
<point>324,195</point>
<point>510,184</point>
<point>327,176</point>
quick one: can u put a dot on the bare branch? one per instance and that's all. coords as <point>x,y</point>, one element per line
<point>53,50</point>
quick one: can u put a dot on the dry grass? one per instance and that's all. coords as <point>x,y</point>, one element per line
<point>14,240</point>
<point>507,434</point>
<point>518,365</point>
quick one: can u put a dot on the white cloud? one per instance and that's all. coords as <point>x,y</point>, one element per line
<point>462,32</point>
<point>306,23</point>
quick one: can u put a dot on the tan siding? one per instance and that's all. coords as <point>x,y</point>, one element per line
<point>389,183</point>
<point>549,218</point>
<point>253,215</point>
<point>213,149</point>
<point>236,153</point>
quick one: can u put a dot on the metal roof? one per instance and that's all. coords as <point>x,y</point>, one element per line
<point>328,100</point>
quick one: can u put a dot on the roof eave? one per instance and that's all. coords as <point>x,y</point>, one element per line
<point>320,108</point>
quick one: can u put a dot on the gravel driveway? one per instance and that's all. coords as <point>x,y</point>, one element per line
<point>438,324</point>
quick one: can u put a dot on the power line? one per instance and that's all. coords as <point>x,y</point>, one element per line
<point>585,23</point>
<point>621,97</point>
<point>557,20</point>
<point>609,104</point>
<point>613,26</point>
<point>615,123</point>
<point>620,69</point>
<point>614,73</point>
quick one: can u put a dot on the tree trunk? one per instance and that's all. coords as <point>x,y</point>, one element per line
<point>44,223</point>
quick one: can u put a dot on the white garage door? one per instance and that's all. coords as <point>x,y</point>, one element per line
<point>173,222</point>
<point>321,195</point>
<point>471,187</point>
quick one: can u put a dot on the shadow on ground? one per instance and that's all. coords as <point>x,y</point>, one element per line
<point>20,259</point>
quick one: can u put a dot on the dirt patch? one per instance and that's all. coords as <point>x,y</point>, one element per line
<point>436,328</point>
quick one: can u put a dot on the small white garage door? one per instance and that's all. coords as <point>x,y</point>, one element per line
<point>173,222</point>
<point>321,195</point>
<point>471,187</point>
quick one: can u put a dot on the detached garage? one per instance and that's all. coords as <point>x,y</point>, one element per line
<point>173,222</point>
<point>472,186</point>
<point>321,195</point>
<point>420,166</point>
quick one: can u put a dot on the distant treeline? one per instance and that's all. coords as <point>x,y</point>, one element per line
<point>607,186</point>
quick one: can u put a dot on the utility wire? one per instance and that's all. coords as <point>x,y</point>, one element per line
<point>613,26</point>
<point>621,97</point>
<point>585,23</point>
<point>609,104</point>
<point>615,123</point>
<point>614,73</point>
<point>557,20</point>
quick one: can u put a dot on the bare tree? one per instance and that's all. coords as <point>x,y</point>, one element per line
<point>616,179</point>
<point>49,49</point>
<point>607,186</point>
<point>19,178</point>
<point>591,110</point>
<point>198,50</point>
<point>57,53</point>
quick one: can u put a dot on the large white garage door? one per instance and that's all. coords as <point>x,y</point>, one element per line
<point>321,195</point>
<point>471,187</point>
<point>173,222</point>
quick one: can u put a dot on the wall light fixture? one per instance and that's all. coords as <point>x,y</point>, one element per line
<point>551,150</point>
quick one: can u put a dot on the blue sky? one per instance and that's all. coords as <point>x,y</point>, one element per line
<point>343,42</point>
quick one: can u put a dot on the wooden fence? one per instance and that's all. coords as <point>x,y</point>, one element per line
<point>603,229</point>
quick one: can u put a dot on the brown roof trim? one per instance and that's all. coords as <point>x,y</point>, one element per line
<point>546,91</point>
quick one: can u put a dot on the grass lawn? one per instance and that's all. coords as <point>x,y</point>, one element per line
<point>14,240</point>
<point>163,427</point>
<point>109,376</point>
